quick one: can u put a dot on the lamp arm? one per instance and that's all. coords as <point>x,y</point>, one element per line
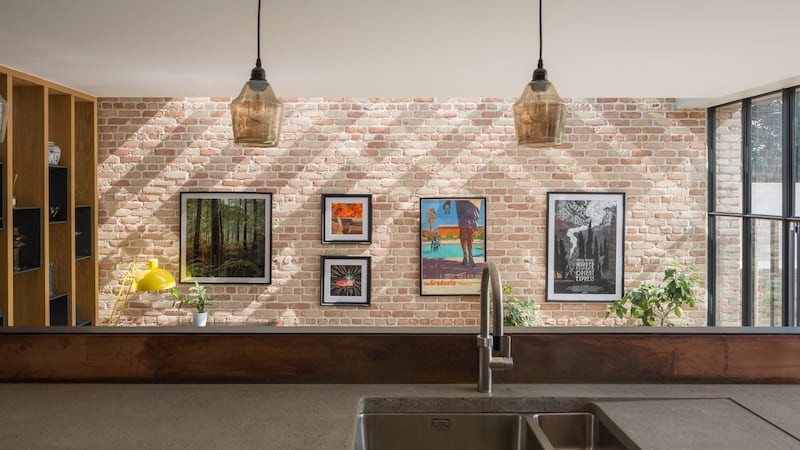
<point>128,280</point>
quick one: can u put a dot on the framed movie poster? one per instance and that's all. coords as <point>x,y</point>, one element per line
<point>226,237</point>
<point>585,240</point>
<point>452,245</point>
<point>346,218</point>
<point>346,280</point>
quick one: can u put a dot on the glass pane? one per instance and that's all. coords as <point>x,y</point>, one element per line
<point>766,160</point>
<point>728,156</point>
<point>728,271</point>
<point>767,273</point>
<point>796,147</point>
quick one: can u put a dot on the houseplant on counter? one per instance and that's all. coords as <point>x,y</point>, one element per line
<point>654,305</point>
<point>519,313</point>
<point>198,298</point>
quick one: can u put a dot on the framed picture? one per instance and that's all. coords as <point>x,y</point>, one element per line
<point>346,218</point>
<point>346,280</point>
<point>226,237</point>
<point>452,245</point>
<point>585,241</point>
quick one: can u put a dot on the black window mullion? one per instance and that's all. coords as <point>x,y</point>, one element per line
<point>711,245</point>
<point>747,228</point>
<point>788,276</point>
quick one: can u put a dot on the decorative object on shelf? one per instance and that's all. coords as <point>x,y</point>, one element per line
<point>51,280</point>
<point>346,218</point>
<point>654,305</point>
<point>13,191</point>
<point>3,118</point>
<point>226,237</point>
<point>452,245</point>
<point>256,113</point>
<point>19,241</point>
<point>197,298</point>
<point>53,153</point>
<point>539,114</point>
<point>54,210</point>
<point>136,280</point>
<point>585,241</point>
<point>346,280</point>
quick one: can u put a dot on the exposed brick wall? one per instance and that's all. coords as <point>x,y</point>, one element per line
<point>398,150</point>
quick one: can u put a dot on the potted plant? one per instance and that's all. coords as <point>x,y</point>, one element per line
<point>519,313</point>
<point>198,298</point>
<point>654,305</point>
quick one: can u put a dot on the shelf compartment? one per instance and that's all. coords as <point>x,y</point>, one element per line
<point>83,231</point>
<point>59,194</point>
<point>59,310</point>
<point>27,221</point>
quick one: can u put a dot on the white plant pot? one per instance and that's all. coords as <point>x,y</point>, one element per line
<point>199,318</point>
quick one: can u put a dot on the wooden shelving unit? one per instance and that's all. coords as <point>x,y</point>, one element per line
<point>56,206</point>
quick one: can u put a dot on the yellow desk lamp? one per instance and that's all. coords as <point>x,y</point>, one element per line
<point>149,280</point>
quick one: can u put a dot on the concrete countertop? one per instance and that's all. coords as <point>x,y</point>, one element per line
<point>315,416</point>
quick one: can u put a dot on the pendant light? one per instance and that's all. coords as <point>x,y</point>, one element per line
<point>539,114</point>
<point>256,113</point>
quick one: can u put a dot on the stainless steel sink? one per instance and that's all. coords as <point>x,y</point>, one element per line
<point>576,431</point>
<point>482,431</point>
<point>433,431</point>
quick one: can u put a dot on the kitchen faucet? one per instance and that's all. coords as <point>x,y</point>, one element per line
<point>488,342</point>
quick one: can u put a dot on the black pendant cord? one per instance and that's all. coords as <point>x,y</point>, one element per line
<point>541,64</point>
<point>258,36</point>
<point>258,73</point>
<point>540,74</point>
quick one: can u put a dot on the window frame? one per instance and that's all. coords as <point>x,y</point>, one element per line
<point>789,218</point>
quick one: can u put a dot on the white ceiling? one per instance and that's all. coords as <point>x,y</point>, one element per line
<point>404,48</point>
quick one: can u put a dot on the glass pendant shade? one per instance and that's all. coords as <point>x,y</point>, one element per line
<point>256,115</point>
<point>3,118</point>
<point>539,115</point>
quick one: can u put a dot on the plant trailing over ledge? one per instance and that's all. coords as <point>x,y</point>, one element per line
<point>519,313</point>
<point>654,305</point>
<point>197,297</point>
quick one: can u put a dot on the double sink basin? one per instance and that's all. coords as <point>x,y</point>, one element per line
<point>483,431</point>
<point>578,428</point>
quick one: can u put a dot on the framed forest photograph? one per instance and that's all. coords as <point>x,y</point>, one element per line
<point>226,237</point>
<point>585,241</point>
<point>452,245</point>
<point>346,280</point>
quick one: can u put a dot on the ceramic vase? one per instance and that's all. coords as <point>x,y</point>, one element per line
<point>53,153</point>
<point>199,318</point>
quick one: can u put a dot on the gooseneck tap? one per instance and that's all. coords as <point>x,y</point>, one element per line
<point>490,277</point>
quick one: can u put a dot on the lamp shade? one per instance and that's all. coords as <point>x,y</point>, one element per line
<point>3,118</point>
<point>256,114</point>
<point>539,115</point>
<point>153,278</point>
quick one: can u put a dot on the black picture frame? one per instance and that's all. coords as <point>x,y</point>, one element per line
<point>346,218</point>
<point>446,268</point>
<point>585,246</point>
<point>243,252</point>
<point>345,280</point>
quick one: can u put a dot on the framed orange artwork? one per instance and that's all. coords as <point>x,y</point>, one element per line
<point>346,218</point>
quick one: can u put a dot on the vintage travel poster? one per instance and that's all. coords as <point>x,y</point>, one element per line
<point>452,245</point>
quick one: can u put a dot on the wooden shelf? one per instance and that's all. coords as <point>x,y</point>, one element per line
<point>46,197</point>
